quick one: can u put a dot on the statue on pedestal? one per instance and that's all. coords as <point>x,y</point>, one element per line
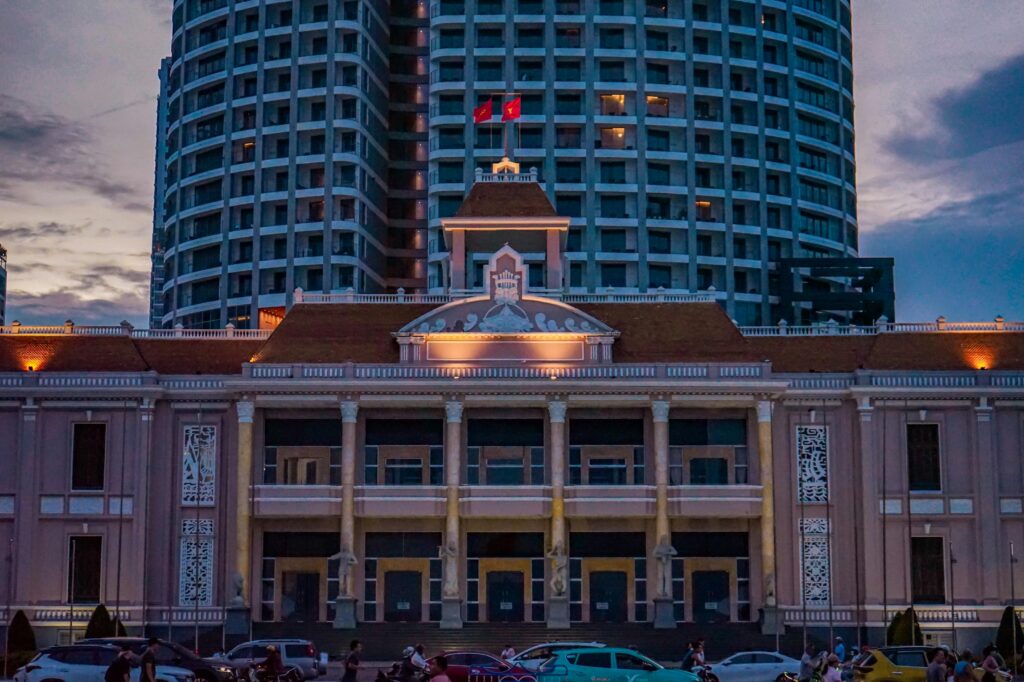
<point>560,562</point>
<point>346,563</point>
<point>449,555</point>
<point>664,552</point>
<point>237,590</point>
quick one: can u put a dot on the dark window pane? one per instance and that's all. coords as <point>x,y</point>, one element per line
<point>88,455</point>
<point>84,561</point>
<point>923,456</point>
<point>594,660</point>
<point>927,570</point>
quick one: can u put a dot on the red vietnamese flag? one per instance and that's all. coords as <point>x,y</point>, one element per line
<point>484,112</point>
<point>512,110</point>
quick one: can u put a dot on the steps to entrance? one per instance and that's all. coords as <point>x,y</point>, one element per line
<point>385,641</point>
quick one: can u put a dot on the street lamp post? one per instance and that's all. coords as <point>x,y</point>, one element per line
<point>1013,607</point>
<point>952,594</point>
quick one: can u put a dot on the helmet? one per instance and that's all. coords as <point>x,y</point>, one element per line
<point>408,651</point>
<point>271,647</point>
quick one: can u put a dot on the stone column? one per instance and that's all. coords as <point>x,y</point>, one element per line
<point>558,604</point>
<point>451,593</point>
<point>771,622</point>
<point>238,613</point>
<point>23,567</point>
<point>988,509</point>
<point>664,617</point>
<point>345,603</point>
<point>870,523</point>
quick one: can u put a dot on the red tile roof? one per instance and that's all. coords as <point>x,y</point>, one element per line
<point>506,200</point>
<point>650,332</point>
<point>346,332</point>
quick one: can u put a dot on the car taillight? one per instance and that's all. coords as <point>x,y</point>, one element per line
<point>310,651</point>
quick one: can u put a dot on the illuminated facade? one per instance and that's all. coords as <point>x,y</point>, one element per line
<point>320,145</point>
<point>503,454</point>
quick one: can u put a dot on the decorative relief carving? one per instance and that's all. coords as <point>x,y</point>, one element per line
<point>815,562</point>
<point>812,463</point>
<point>195,572</point>
<point>199,465</point>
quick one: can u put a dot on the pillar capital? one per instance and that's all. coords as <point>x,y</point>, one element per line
<point>556,411</point>
<point>659,409</point>
<point>764,411</point>
<point>983,410</point>
<point>349,411</point>
<point>29,408</point>
<point>453,411</point>
<point>246,409</point>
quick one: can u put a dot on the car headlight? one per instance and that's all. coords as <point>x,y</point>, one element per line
<point>223,669</point>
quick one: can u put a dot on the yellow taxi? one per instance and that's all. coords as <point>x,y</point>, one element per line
<point>903,664</point>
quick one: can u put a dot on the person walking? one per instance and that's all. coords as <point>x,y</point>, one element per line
<point>120,669</point>
<point>832,672</point>
<point>439,670</point>
<point>963,671</point>
<point>809,663</point>
<point>989,664</point>
<point>508,652</point>
<point>840,649</point>
<point>937,667</point>
<point>352,664</point>
<point>148,672</point>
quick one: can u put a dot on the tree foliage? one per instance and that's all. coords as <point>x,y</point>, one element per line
<point>1005,636</point>
<point>100,623</point>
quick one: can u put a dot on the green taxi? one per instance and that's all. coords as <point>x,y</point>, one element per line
<point>607,664</point>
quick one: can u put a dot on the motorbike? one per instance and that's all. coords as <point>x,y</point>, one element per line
<point>704,673</point>
<point>396,674</point>
<point>258,672</point>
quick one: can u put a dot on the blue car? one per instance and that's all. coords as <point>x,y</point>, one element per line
<point>607,664</point>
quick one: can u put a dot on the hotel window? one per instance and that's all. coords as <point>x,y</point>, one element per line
<point>613,138</point>
<point>657,106</point>
<point>84,568</point>
<point>923,469</point>
<point>505,452</point>
<point>87,456</point>
<point>403,452</point>
<point>659,242</point>
<point>927,570</point>
<point>403,472</point>
<point>613,275</point>
<point>660,276</point>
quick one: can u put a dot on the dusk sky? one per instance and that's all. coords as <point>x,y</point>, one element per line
<point>939,89</point>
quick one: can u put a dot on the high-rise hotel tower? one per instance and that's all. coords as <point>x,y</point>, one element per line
<point>317,144</point>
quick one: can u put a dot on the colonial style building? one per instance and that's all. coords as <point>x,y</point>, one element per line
<point>508,453</point>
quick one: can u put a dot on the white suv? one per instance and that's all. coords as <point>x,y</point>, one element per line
<point>87,663</point>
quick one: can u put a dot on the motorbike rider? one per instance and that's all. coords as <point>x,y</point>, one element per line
<point>408,671</point>
<point>273,666</point>
<point>418,659</point>
<point>694,656</point>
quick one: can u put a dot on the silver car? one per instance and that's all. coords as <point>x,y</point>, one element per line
<point>87,663</point>
<point>754,666</point>
<point>297,653</point>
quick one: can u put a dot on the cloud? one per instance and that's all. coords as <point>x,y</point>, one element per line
<point>984,114</point>
<point>69,304</point>
<point>39,147</point>
<point>962,259</point>
<point>24,231</point>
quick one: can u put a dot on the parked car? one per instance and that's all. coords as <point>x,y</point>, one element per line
<point>87,663</point>
<point>754,666</point>
<point>462,664</point>
<point>172,653</point>
<point>298,653</point>
<point>906,663</point>
<point>533,657</point>
<point>610,664</point>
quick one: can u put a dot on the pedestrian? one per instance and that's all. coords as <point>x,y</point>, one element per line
<point>352,665</point>
<point>832,673</point>
<point>439,670</point>
<point>508,652</point>
<point>840,649</point>
<point>148,672</point>
<point>937,666</point>
<point>963,671</point>
<point>120,669</point>
<point>990,665</point>
<point>809,663</point>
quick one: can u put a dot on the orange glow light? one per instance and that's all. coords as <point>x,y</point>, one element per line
<point>979,357</point>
